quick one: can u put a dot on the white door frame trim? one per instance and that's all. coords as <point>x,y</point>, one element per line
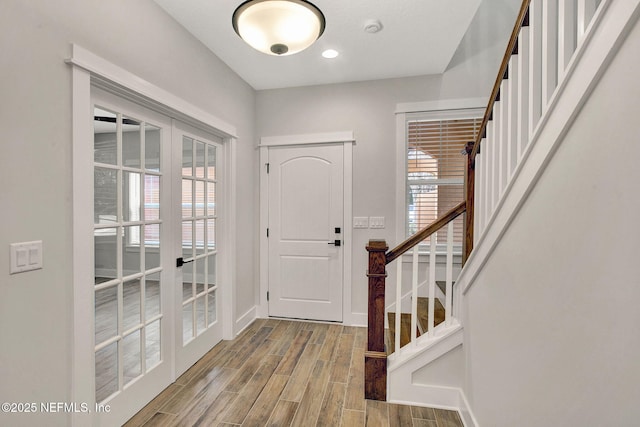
<point>90,70</point>
<point>116,79</point>
<point>347,140</point>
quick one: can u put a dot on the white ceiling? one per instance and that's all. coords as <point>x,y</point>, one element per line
<point>418,37</point>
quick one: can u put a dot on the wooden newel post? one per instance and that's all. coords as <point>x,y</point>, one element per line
<point>375,358</point>
<point>470,184</point>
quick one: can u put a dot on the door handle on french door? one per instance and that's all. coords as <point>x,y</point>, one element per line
<point>336,242</point>
<point>180,262</point>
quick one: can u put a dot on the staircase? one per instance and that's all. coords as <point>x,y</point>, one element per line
<point>405,322</point>
<point>547,57</point>
<point>420,321</point>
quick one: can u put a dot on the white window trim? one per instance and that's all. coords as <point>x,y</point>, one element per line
<point>442,109</point>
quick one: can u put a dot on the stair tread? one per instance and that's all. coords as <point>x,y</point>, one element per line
<point>405,323</point>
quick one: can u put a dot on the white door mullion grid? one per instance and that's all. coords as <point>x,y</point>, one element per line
<point>121,356</point>
<point>119,241</point>
<point>197,326</point>
<point>211,216</point>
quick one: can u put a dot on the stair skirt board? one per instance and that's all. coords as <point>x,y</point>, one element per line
<point>402,389</point>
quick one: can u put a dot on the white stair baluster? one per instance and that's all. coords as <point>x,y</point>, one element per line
<point>567,34</point>
<point>484,200</point>
<point>397,323</point>
<point>495,179</point>
<point>477,196</point>
<point>449,276</point>
<point>523,91</point>
<point>549,50</point>
<point>535,64</point>
<point>414,294</point>
<point>504,136</point>
<point>497,144</point>
<point>512,115</point>
<point>432,286</point>
<point>491,165</point>
<point>586,10</point>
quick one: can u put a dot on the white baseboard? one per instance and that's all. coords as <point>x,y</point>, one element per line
<point>465,412</point>
<point>245,320</point>
<point>439,397</point>
<point>358,319</point>
<point>432,396</point>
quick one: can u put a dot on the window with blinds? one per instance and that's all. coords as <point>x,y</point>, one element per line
<point>436,168</point>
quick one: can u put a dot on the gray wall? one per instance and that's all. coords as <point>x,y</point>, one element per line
<point>551,323</point>
<point>35,165</point>
<point>35,156</point>
<point>367,108</point>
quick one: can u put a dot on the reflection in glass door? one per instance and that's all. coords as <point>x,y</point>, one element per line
<point>127,231</point>
<point>199,285</point>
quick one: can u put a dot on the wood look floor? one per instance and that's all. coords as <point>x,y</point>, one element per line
<point>283,373</point>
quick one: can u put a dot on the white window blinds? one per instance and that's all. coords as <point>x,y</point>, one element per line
<point>436,168</point>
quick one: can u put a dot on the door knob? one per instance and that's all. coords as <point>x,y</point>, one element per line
<point>336,242</point>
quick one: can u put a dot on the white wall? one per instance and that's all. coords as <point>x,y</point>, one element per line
<point>367,108</point>
<point>445,371</point>
<point>35,166</point>
<point>551,322</point>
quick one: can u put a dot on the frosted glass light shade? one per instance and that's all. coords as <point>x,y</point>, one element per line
<point>278,27</point>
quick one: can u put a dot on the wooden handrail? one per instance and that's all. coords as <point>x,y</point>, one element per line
<point>426,232</point>
<point>513,43</point>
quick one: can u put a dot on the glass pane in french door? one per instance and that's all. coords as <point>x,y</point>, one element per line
<point>127,236</point>
<point>198,237</point>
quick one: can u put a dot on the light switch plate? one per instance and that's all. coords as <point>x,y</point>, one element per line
<point>376,222</point>
<point>360,222</point>
<point>26,256</point>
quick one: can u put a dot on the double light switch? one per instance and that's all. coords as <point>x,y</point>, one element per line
<point>26,256</point>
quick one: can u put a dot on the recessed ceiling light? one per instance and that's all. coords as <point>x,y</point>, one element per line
<point>330,53</point>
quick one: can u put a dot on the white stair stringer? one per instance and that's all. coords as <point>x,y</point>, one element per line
<point>403,389</point>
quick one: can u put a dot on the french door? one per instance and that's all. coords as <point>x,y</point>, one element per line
<point>198,326</point>
<point>155,195</point>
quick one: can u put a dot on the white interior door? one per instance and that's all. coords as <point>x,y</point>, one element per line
<point>198,189</point>
<point>131,245</point>
<point>305,232</point>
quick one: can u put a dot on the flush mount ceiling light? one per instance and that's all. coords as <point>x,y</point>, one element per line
<point>278,27</point>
